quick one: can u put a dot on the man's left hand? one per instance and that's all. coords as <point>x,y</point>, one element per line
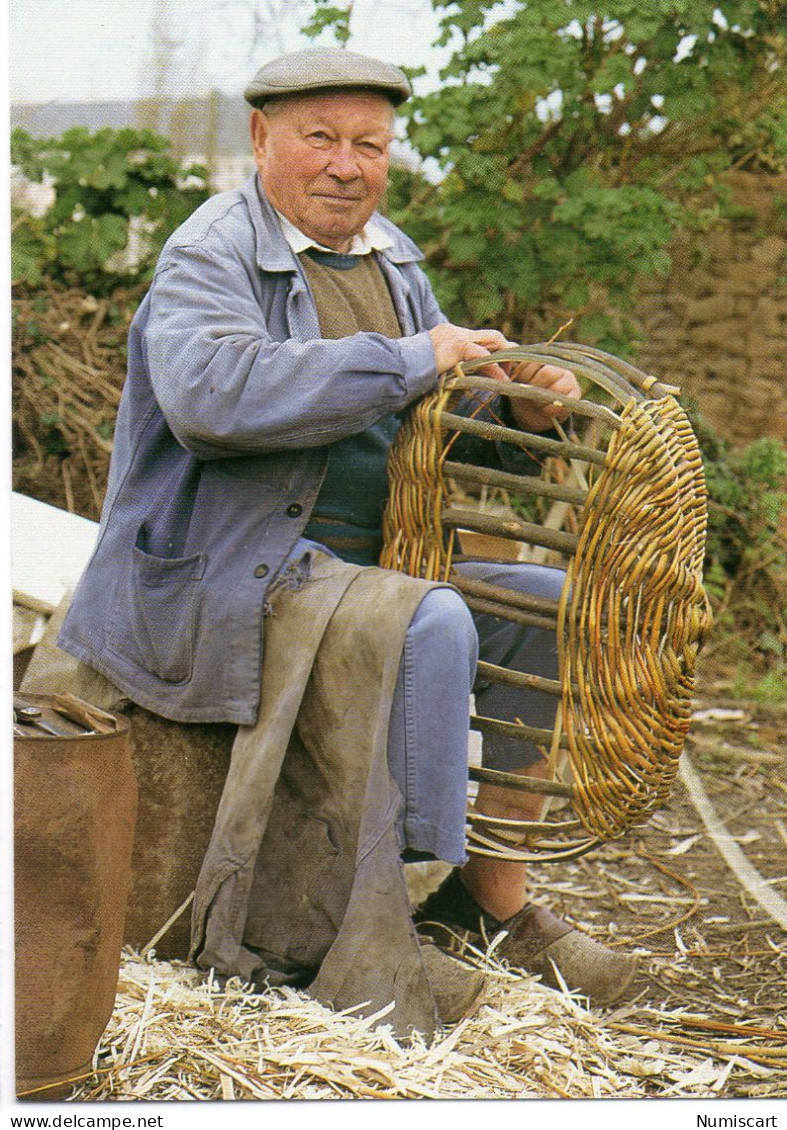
<point>534,417</point>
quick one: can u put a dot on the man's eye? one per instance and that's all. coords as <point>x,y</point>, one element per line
<point>370,149</point>
<point>319,139</point>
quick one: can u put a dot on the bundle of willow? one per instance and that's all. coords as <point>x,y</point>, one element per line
<point>632,610</point>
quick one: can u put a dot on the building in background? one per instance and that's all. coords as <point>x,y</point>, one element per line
<point>211,131</point>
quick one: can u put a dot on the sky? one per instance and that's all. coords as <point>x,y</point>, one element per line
<point>75,50</point>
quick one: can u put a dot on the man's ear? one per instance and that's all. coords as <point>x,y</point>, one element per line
<point>259,131</point>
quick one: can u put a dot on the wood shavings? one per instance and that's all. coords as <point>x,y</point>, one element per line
<point>173,1035</point>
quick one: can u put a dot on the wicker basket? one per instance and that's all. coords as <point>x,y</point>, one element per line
<point>632,610</point>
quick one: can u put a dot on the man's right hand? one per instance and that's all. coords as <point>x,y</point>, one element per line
<point>453,344</point>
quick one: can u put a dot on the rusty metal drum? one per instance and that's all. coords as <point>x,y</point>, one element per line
<point>75,799</point>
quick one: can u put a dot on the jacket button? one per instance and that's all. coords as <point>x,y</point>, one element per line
<point>294,510</point>
<point>261,571</point>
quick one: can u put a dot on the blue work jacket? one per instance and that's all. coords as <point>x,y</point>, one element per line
<point>220,449</point>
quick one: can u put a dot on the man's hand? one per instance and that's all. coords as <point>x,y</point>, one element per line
<point>533,417</point>
<point>453,344</point>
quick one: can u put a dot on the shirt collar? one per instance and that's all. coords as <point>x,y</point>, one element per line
<point>370,238</point>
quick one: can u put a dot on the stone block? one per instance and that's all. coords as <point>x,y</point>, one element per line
<point>765,352</point>
<point>699,283</point>
<point>769,316</point>
<point>715,308</point>
<point>728,336</point>
<point>725,369</point>
<point>770,252</point>
<point>748,280</point>
<point>724,243</point>
<point>662,322</point>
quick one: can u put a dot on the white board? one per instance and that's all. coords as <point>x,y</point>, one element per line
<point>49,551</point>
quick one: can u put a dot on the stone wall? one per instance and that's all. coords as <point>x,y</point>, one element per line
<point>718,326</point>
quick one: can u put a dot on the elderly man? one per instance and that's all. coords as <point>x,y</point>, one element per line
<point>287,329</point>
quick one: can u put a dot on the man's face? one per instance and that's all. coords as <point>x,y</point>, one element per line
<point>323,161</point>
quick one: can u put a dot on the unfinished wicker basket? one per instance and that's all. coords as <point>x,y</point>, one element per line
<point>632,609</point>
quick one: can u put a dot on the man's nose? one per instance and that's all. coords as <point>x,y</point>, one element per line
<point>344,162</point>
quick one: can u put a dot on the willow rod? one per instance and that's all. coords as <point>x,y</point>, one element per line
<point>524,440</point>
<point>516,391</point>
<point>616,376</point>
<point>525,484</point>
<point>596,371</point>
<point>529,682</point>
<point>487,591</point>
<point>520,608</point>
<point>513,615</point>
<point>622,369</point>
<point>527,841</point>
<point>519,732</point>
<point>503,824</point>
<point>511,528</point>
<point>601,374</point>
<point>534,855</point>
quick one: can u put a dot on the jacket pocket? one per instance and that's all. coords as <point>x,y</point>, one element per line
<point>155,614</point>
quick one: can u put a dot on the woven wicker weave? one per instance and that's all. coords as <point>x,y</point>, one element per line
<point>632,610</point>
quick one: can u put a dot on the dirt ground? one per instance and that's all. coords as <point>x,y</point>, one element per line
<point>713,963</point>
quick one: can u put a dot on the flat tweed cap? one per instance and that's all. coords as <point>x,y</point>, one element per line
<point>326,68</point>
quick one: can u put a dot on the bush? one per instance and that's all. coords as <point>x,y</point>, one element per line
<point>746,555</point>
<point>567,146</point>
<point>81,261</point>
<point>118,194</point>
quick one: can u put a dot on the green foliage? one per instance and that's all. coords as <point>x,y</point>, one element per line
<point>771,688</point>
<point>107,185</point>
<point>33,250</point>
<point>746,555</point>
<point>748,492</point>
<point>328,17</point>
<point>567,148</point>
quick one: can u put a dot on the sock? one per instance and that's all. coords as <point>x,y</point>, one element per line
<point>453,904</point>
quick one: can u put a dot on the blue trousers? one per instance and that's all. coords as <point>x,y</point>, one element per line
<point>428,731</point>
